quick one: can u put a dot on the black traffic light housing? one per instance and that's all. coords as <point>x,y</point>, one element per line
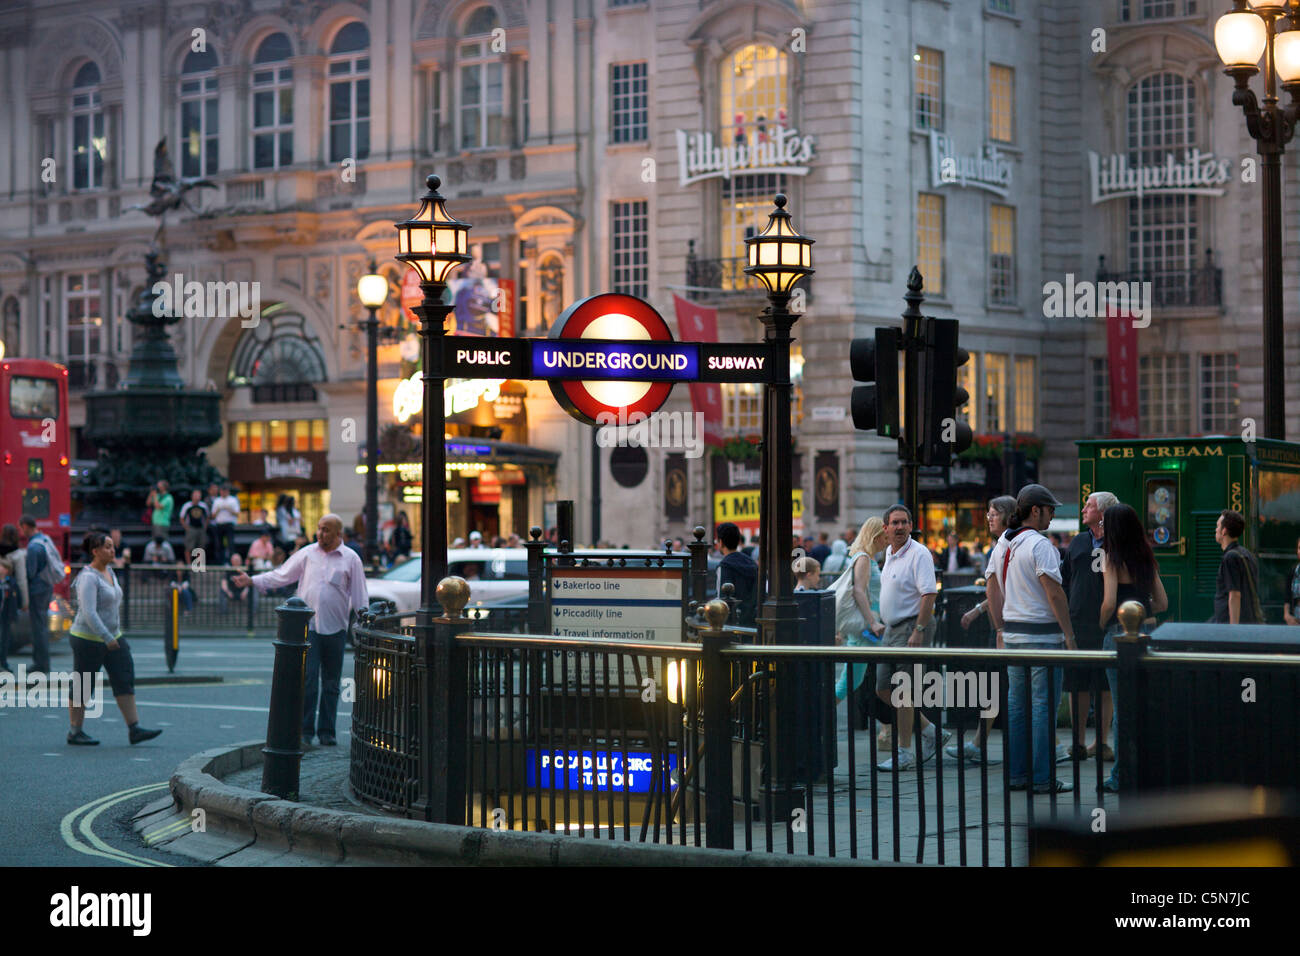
<point>942,435</point>
<point>875,361</point>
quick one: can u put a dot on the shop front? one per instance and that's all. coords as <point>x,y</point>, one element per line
<point>273,458</point>
<point>956,497</point>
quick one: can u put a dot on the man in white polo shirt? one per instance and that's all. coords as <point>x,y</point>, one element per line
<point>1031,612</point>
<point>907,596</point>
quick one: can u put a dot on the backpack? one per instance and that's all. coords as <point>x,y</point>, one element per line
<point>848,616</point>
<point>52,573</point>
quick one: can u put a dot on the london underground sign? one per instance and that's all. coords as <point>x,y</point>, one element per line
<point>608,354</point>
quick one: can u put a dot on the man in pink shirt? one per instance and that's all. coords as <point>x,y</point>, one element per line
<point>333,583</point>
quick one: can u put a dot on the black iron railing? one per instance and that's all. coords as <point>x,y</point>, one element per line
<point>384,769</point>
<point>1198,286</point>
<point>209,601</point>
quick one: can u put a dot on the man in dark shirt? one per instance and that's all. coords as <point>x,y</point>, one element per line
<point>822,549</point>
<point>1236,590</point>
<point>1084,585</point>
<point>739,570</point>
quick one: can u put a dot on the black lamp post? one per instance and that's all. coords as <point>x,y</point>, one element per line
<point>778,257</point>
<point>1242,37</point>
<point>433,244</point>
<point>372,290</point>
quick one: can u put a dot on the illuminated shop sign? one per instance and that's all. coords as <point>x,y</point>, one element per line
<point>989,170</point>
<point>1199,174</point>
<point>617,361</point>
<point>780,150</point>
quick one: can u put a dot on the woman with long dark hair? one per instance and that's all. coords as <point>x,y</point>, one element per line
<point>97,642</point>
<point>1130,573</point>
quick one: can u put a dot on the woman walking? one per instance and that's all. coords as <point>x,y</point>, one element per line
<point>866,595</point>
<point>97,642</point>
<point>1130,573</point>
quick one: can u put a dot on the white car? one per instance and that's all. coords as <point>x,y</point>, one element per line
<point>494,574</point>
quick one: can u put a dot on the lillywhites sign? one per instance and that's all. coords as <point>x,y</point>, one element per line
<point>989,170</point>
<point>1199,174</point>
<point>700,156</point>
<point>286,468</point>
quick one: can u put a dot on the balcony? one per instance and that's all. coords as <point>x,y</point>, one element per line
<point>1199,287</point>
<point>724,278</point>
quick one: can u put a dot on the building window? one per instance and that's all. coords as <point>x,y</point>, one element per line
<point>273,104</point>
<point>349,93</point>
<point>1155,9</point>
<point>482,84</point>
<point>994,411</point>
<point>85,341</point>
<point>742,408</point>
<point>1002,103</point>
<point>929,88</point>
<point>753,104</point>
<point>521,292</point>
<point>12,338</point>
<point>280,359</point>
<point>629,94</point>
<point>1162,230</point>
<point>630,250</point>
<point>1002,255</point>
<point>1002,6</point>
<point>968,412</point>
<point>1100,394</point>
<point>1026,393</point>
<point>198,102</point>
<point>87,141</point>
<point>1164,388</point>
<point>929,241</point>
<point>435,112</point>
<point>523,102</point>
<point>1219,404</point>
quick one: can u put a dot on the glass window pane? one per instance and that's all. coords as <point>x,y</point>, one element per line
<point>256,437</point>
<point>470,85</point>
<point>286,106</point>
<point>340,143</point>
<point>286,149</point>
<point>263,109</point>
<point>319,429</point>
<point>363,139</point>
<point>363,98</point>
<point>263,151</point>
<point>340,101</point>
<point>279,436</point>
<point>302,436</point>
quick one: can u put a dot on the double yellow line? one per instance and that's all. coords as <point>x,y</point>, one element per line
<point>93,845</point>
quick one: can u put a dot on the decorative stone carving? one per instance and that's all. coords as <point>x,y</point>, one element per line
<point>518,166</point>
<point>322,273</point>
<point>486,171</point>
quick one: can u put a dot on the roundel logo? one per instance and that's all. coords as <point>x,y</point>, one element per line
<point>611,315</point>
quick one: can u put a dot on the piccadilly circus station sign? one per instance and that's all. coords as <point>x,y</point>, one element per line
<point>607,355</point>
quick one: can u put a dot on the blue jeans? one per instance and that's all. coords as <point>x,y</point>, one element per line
<point>324,673</point>
<point>1112,679</point>
<point>38,612</point>
<point>1044,715</point>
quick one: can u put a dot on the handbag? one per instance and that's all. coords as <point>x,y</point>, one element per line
<point>848,616</point>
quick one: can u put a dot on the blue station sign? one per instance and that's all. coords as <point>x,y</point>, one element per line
<point>598,770</point>
<point>606,360</point>
<point>615,361</point>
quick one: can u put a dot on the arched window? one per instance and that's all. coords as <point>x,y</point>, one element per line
<point>198,101</point>
<point>753,102</point>
<point>483,81</point>
<point>280,358</point>
<point>87,141</point>
<point>272,103</point>
<point>1162,229</point>
<point>349,93</point>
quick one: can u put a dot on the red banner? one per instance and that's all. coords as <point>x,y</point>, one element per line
<point>695,323</point>
<point>506,308</point>
<point>1121,345</point>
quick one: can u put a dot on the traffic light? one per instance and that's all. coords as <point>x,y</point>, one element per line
<point>942,434</point>
<point>875,361</point>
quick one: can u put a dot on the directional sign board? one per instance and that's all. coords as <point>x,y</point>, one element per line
<point>608,359</point>
<point>638,605</point>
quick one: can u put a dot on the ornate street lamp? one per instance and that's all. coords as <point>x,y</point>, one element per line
<point>778,257</point>
<point>1242,37</point>
<point>433,244</point>
<point>372,290</point>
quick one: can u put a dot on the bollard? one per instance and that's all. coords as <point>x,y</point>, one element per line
<point>283,750</point>
<point>1130,648</point>
<point>718,821</point>
<point>171,629</point>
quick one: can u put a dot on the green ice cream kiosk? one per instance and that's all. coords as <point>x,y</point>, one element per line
<point>1180,485</point>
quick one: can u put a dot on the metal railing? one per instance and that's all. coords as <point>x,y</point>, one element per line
<point>205,606</point>
<point>385,755</point>
<point>1173,288</point>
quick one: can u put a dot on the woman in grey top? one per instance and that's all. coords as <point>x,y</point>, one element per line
<point>97,641</point>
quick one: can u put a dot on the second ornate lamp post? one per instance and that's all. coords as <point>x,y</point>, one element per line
<point>372,290</point>
<point>1242,37</point>
<point>778,257</point>
<point>433,244</point>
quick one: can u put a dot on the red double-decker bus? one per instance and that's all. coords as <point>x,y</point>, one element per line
<point>34,447</point>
